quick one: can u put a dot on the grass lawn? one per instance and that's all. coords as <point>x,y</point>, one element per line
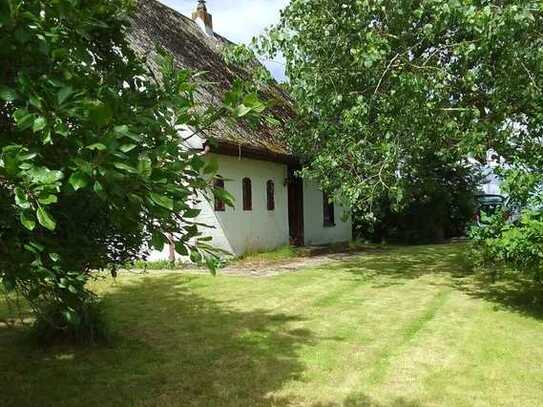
<point>401,327</point>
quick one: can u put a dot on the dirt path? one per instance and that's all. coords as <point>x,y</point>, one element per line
<point>267,269</point>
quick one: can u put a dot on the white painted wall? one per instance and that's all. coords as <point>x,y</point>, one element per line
<point>238,232</point>
<point>235,230</point>
<point>315,232</point>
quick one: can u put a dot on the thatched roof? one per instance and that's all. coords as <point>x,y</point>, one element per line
<point>158,25</point>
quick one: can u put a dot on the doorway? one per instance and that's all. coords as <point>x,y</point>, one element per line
<point>295,207</point>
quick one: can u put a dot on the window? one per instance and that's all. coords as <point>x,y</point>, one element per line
<point>270,192</point>
<point>219,202</point>
<point>247,195</point>
<point>328,211</point>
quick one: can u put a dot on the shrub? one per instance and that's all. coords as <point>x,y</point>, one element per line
<point>503,246</point>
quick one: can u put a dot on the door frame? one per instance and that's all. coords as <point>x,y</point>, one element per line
<point>295,207</point>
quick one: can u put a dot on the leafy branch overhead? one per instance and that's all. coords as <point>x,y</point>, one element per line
<point>92,166</point>
<point>383,85</point>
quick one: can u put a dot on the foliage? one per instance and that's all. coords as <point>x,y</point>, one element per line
<point>92,327</point>
<point>505,246</point>
<point>242,56</point>
<point>440,205</point>
<point>383,85</point>
<point>91,163</point>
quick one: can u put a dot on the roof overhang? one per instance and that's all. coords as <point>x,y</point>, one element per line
<point>246,151</point>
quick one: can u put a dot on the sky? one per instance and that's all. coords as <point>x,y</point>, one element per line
<point>239,20</point>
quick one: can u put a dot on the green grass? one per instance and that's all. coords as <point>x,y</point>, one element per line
<point>399,327</point>
<point>281,254</point>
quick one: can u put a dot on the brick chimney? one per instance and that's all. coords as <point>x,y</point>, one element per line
<point>203,18</point>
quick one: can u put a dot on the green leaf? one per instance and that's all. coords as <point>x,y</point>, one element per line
<point>125,167</point>
<point>122,130</point>
<point>27,220</point>
<point>34,247</point>
<point>21,199</point>
<point>212,264</point>
<point>225,196</point>
<point>181,249</point>
<point>242,111</point>
<point>48,199</point>
<point>54,256</point>
<point>28,157</point>
<point>63,94</point>
<point>158,240</point>
<point>39,124</point>
<point>62,130</point>
<point>195,256</point>
<point>45,219</point>
<point>98,188</point>
<point>163,200</point>
<point>24,119</point>
<point>36,102</point>
<point>78,180</point>
<point>145,167</point>
<point>97,146</point>
<point>42,175</point>
<point>125,148</point>
<point>191,213</point>
<point>254,103</point>
<point>7,94</point>
<point>212,166</point>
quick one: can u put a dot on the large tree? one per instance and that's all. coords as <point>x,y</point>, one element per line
<point>92,167</point>
<point>385,85</point>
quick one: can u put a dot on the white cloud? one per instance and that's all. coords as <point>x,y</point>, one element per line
<point>239,20</point>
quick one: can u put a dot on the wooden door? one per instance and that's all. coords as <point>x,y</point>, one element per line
<point>295,208</point>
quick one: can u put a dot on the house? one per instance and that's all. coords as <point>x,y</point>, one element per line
<point>273,207</point>
<point>490,181</point>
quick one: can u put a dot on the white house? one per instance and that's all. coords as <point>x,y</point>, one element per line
<point>273,207</point>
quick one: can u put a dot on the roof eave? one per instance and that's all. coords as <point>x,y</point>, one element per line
<point>245,151</point>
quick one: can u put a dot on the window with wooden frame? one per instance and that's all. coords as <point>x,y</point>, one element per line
<point>220,205</point>
<point>247,194</point>
<point>270,194</point>
<point>328,211</point>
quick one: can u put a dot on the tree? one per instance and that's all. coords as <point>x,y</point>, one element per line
<point>440,206</point>
<point>92,168</point>
<point>383,85</point>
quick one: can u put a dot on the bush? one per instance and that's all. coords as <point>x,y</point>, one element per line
<point>53,326</point>
<point>503,246</point>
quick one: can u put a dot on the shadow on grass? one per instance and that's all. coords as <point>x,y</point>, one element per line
<point>399,265</point>
<point>173,348</point>
<point>510,293</point>
<point>362,400</point>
